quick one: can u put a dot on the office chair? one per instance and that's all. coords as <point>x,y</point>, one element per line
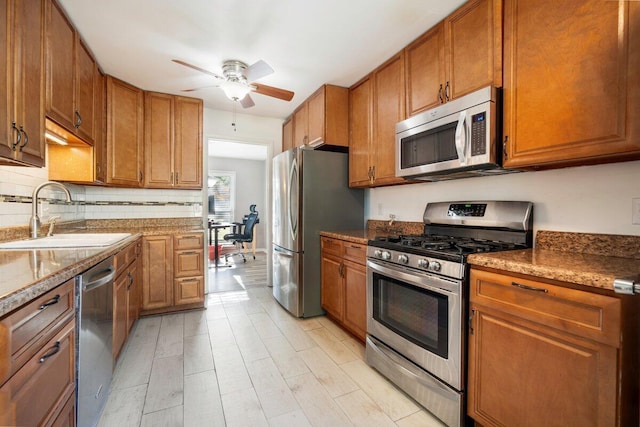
<point>244,234</point>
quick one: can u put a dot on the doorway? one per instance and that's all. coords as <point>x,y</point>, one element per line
<point>239,175</point>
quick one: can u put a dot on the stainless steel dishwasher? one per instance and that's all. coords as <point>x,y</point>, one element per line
<point>94,358</point>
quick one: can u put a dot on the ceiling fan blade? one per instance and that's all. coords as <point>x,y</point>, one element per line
<point>198,88</point>
<point>202,70</point>
<point>247,102</point>
<point>285,95</point>
<point>257,71</point>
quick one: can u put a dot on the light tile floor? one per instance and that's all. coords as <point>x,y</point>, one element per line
<point>244,361</point>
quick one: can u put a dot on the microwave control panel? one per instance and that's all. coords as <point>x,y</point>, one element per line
<point>478,134</point>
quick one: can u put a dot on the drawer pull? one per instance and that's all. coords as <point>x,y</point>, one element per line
<point>195,279</point>
<point>189,253</point>
<point>55,349</point>
<point>356,247</point>
<point>529,288</point>
<point>52,301</point>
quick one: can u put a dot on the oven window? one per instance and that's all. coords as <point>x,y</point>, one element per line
<point>428,147</point>
<point>418,315</point>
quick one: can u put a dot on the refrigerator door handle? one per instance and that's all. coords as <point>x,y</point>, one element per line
<point>283,252</point>
<point>293,204</point>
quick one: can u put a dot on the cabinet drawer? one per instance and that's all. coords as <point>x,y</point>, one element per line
<point>188,263</point>
<point>125,257</point>
<point>35,394</point>
<point>23,332</point>
<point>188,241</point>
<point>189,290</point>
<point>582,313</point>
<point>331,246</point>
<point>355,252</point>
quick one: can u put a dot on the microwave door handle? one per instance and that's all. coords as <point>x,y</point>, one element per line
<point>461,138</point>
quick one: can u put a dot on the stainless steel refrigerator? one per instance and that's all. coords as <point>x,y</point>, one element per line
<point>310,194</point>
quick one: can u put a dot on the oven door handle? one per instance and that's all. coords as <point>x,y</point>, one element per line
<point>436,284</point>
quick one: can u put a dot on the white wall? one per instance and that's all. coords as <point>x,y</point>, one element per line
<point>594,199</point>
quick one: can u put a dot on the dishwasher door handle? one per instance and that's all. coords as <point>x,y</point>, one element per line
<point>100,278</point>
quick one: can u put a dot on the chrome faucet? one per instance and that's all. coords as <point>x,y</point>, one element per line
<point>34,222</point>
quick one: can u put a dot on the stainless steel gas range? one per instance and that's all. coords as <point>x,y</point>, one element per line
<point>417,297</point>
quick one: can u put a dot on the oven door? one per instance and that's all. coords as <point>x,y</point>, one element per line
<point>418,315</point>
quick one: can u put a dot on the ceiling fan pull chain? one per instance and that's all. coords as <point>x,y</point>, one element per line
<point>233,122</point>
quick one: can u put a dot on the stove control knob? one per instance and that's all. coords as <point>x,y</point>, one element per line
<point>423,263</point>
<point>377,253</point>
<point>403,259</point>
<point>435,266</point>
<point>386,255</point>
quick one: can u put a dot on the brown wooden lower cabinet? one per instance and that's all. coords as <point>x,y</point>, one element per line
<point>126,291</point>
<point>541,354</point>
<point>39,392</point>
<point>173,272</point>
<point>343,293</point>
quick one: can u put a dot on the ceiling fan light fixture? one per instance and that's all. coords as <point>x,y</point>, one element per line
<point>235,90</point>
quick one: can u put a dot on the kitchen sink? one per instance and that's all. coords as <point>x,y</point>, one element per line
<point>79,240</point>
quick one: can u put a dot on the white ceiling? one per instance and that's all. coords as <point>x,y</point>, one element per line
<point>308,43</point>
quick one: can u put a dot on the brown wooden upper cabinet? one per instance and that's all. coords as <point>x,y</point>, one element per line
<point>323,118</point>
<point>461,54</point>
<point>22,87</point>
<point>173,141</point>
<point>124,133</point>
<point>571,82</point>
<point>287,134</point>
<point>71,75</point>
<point>376,104</point>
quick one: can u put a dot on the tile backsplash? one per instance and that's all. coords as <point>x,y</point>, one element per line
<point>89,202</point>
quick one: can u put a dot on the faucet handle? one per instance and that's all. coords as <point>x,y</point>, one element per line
<point>52,223</point>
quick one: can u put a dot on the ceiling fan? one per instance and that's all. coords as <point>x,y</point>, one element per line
<point>238,80</point>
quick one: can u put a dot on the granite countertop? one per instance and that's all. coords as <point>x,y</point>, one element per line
<point>594,260</point>
<point>353,236</point>
<point>27,274</point>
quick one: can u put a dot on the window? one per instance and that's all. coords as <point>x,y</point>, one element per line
<point>221,185</point>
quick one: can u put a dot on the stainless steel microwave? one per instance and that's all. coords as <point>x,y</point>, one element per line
<point>453,140</point>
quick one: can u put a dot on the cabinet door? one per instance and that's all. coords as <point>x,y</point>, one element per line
<point>84,113</point>
<point>133,294</point>
<point>158,140</point>
<point>287,134</point>
<point>543,367</point>
<point>332,287</point>
<point>157,268</point>
<point>120,310</point>
<point>425,71</point>
<point>355,298</point>
<point>124,133</point>
<point>188,143</point>
<point>36,392</point>
<point>316,116</point>
<point>300,126</point>
<point>29,17</point>
<point>388,109</point>
<point>61,45</point>
<point>571,82</point>
<point>360,101</point>
<point>473,47</point>
<point>100,141</point>
<point>7,135</point>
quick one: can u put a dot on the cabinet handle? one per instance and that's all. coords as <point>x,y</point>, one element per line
<point>52,301</point>
<point>25,139</point>
<point>78,119</point>
<point>373,173</point>
<point>440,97</point>
<point>55,349</point>
<point>130,281</point>
<point>171,178</point>
<point>446,92</point>
<point>505,155</point>
<point>473,313</point>
<point>529,288</point>
<point>177,178</point>
<point>356,246</point>
<point>194,279</point>
<point>140,176</point>
<point>15,144</point>
<point>189,253</point>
